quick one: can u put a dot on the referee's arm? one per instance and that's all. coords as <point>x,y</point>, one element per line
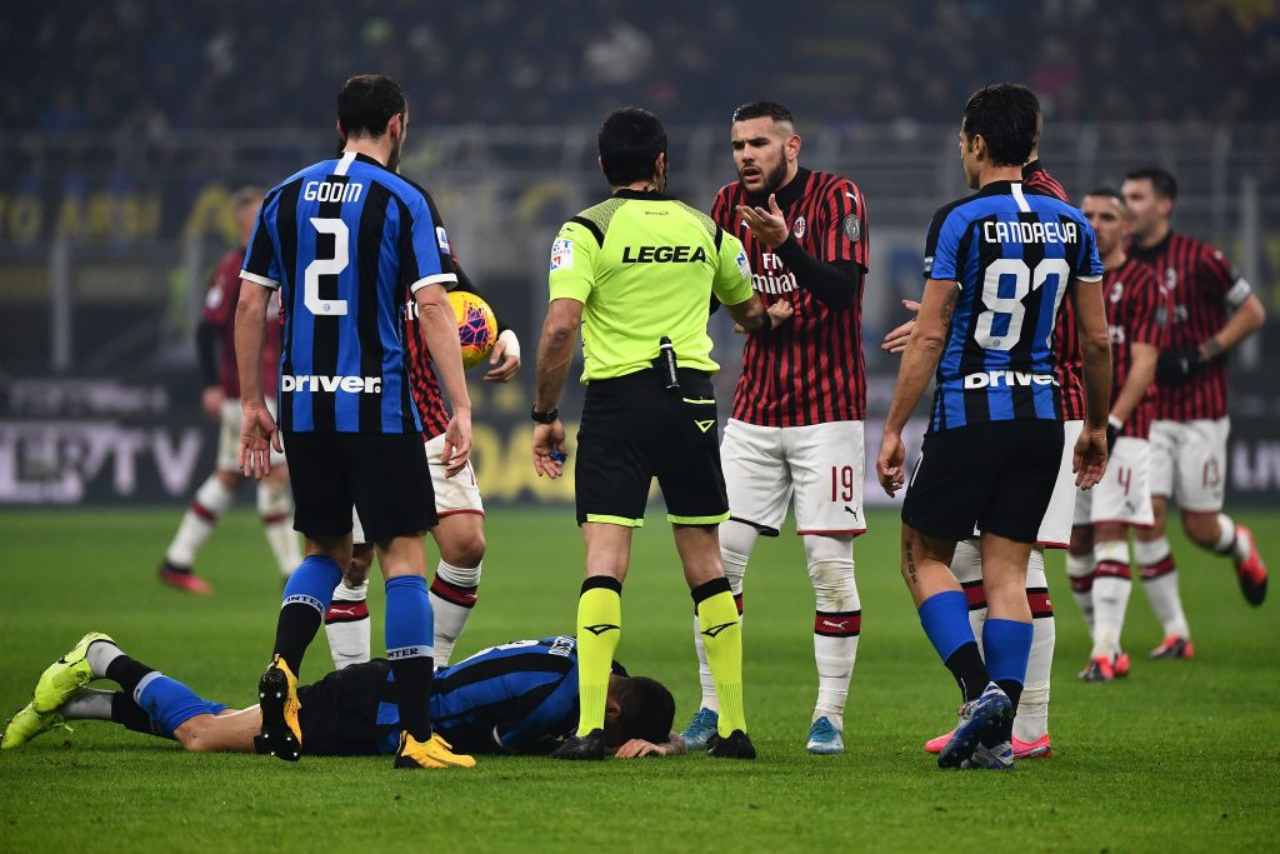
<point>731,288</point>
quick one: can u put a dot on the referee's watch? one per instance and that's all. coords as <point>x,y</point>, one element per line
<point>544,417</point>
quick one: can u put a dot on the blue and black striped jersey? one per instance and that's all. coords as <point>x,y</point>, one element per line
<point>519,697</point>
<point>347,241</point>
<point>1015,254</point>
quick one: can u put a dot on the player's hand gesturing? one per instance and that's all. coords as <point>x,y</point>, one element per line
<point>891,464</point>
<point>505,358</point>
<point>457,442</point>
<point>769,226</point>
<point>1089,462</point>
<point>258,435</point>
<point>895,341</point>
<point>779,313</point>
<point>548,449</point>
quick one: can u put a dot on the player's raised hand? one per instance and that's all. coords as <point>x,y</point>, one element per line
<point>768,226</point>
<point>891,464</point>
<point>896,339</point>
<point>258,435</point>
<point>505,358</point>
<point>548,449</point>
<point>1089,462</point>
<point>457,442</point>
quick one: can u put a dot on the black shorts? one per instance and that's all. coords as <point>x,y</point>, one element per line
<point>386,478</point>
<point>996,475</point>
<point>340,712</point>
<point>633,429</point>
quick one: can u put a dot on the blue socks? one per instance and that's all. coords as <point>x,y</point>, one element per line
<point>409,629</point>
<point>170,703</point>
<point>945,617</point>
<point>306,597</point>
<point>1008,646</point>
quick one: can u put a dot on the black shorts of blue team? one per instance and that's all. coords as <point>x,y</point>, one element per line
<point>635,429</point>
<point>996,476</point>
<point>384,476</point>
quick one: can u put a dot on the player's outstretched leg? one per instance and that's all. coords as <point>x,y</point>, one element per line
<point>599,631</point>
<point>737,540</point>
<point>72,671</point>
<point>1238,543</point>
<point>836,627</point>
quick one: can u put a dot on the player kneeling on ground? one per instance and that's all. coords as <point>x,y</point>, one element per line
<point>1098,562</point>
<point>520,697</point>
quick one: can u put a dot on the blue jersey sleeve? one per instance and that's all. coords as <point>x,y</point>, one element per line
<point>1090,266</point>
<point>942,245</point>
<point>261,264</point>
<point>425,254</point>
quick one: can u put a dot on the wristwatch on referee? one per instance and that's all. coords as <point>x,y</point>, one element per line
<point>544,417</point>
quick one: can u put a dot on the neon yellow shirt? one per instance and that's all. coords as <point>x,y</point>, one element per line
<point>645,266</point>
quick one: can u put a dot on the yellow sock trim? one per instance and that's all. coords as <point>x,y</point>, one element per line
<point>721,631</point>
<point>599,630</point>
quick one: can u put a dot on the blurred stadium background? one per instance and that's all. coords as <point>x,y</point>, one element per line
<point>139,119</point>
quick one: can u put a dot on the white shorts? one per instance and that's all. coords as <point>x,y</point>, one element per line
<point>1055,528</point>
<point>457,494</point>
<point>821,466</point>
<point>229,436</point>
<point>1189,462</point>
<point>1124,493</point>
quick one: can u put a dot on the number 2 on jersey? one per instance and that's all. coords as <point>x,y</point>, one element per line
<point>1012,306</point>
<point>327,267</point>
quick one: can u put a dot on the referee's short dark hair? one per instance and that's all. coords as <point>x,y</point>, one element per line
<point>1161,180</point>
<point>1007,116</point>
<point>630,141</point>
<point>367,102</point>
<point>762,109</point>
<point>647,709</point>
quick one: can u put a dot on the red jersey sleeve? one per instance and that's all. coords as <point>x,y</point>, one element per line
<point>842,225</point>
<point>1216,274</point>
<point>1146,326</point>
<point>224,290</point>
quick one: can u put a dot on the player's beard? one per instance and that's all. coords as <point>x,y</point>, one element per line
<point>393,159</point>
<point>772,179</point>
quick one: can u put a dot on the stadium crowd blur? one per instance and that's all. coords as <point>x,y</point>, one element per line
<point>138,65</point>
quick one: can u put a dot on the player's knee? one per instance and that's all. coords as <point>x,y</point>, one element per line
<point>466,550</point>
<point>834,586</point>
<point>1202,528</point>
<point>357,571</point>
<point>229,479</point>
<point>194,737</point>
<point>1081,540</point>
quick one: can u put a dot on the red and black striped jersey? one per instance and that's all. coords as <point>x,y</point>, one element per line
<point>1066,337</point>
<point>1197,284</point>
<point>810,370</point>
<point>1133,302</point>
<point>422,374</point>
<point>220,313</point>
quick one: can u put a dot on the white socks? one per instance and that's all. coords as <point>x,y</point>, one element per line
<point>275,507</point>
<point>100,655</point>
<point>347,626</point>
<point>1111,586</point>
<point>88,704</point>
<point>837,621</point>
<point>1080,574</point>
<point>211,500</point>
<point>1232,541</point>
<point>736,542</point>
<point>1160,582</point>
<point>453,595</point>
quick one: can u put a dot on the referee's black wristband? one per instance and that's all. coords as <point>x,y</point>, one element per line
<point>544,417</point>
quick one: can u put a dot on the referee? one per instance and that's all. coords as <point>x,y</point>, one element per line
<point>637,272</point>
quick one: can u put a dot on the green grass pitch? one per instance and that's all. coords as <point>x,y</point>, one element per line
<point>1182,756</point>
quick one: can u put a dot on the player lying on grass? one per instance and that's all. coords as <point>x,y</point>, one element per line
<point>520,697</point>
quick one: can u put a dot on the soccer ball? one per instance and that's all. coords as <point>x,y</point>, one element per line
<point>477,327</point>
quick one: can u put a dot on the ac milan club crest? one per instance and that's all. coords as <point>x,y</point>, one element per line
<point>798,228</point>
